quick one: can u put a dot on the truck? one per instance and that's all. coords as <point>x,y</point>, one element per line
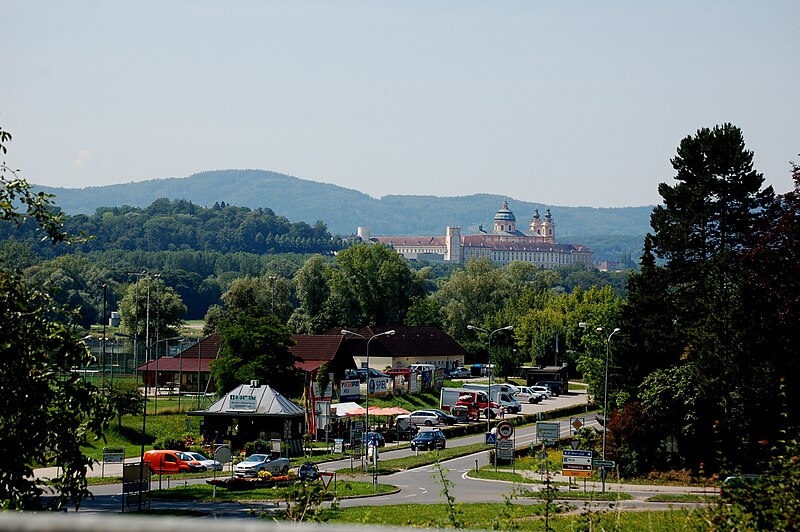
<point>475,401</point>
<point>502,394</point>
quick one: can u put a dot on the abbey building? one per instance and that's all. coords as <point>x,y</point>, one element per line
<point>502,245</point>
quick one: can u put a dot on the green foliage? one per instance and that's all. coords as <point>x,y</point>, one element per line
<point>255,347</point>
<point>166,310</point>
<point>46,409</point>
<point>175,225</point>
<point>304,502</point>
<point>123,397</point>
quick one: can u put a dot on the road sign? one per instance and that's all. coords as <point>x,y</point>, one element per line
<point>548,431</point>
<point>505,449</point>
<point>490,438</point>
<point>576,463</point>
<point>604,463</point>
<point>505,430</point>
<point>576,422</point>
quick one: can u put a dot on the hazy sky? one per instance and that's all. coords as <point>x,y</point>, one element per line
<point>565,103</point>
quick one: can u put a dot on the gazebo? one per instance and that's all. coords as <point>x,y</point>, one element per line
<point>252,412</point>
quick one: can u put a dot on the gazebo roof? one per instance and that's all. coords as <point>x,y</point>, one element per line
<point>252,400</point>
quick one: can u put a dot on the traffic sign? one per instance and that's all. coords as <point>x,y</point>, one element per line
<point>548,431</point>
<point>576,422</point>
<point>505,429</point>
<point>576,463</point>
<point>490,438</point>
<point>505,449</point>
<point>604,463</point>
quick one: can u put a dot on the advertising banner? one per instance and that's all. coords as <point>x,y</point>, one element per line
<point>350,390</point>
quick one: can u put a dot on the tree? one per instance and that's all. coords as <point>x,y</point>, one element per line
<point>255,347</point>
<point>372,285</point>
<point>313,292</point>
<point>690,311</point>
<point>46,409</point>
<point>165,310</point>
<point>124,398</point>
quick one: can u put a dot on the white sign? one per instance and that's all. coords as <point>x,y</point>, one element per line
<point>505,429</point>
<point>576,463</point>
<point>350,388</point>
<point>548,431</point>
<point>505,449</point>
<point>328,391</point>
<point>241,402</point>
<point>378,385</point>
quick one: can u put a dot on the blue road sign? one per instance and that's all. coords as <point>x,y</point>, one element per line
<point>491,438</point>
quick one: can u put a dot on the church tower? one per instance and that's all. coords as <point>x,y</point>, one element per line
<point>504,220</point>
<point>536,224</point>
<point>549,228</point>
<point>454,251</point>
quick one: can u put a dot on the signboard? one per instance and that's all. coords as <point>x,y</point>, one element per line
<point>378,385</point>
<point>223,454</point>
<point>113,455</point>
<point>241,402</point>
<point>350,390</point>
<point>490,438</point>
<point>505,430</point>
<point>604,463</point>
<point>327,395</point>
<point>576,463</point>
<point>548,431</point>
<point>576,423</point>
<point>505,449</point>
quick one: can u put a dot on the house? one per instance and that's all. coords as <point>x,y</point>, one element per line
<point>407,346</point>
<point>188,371</point>
<point>313,351</point>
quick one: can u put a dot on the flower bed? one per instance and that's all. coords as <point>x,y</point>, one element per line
<point>245,483</point>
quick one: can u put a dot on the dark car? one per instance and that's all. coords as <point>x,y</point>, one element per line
<point>444,417</point>
<point>361,374</point>
<point>556,387</point>
<point>428,440</point>
<point>367,436</point>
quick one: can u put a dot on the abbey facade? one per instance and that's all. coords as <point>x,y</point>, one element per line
<point>503,245</point>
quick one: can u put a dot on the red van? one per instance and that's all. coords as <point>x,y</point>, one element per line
<point>167,461</point>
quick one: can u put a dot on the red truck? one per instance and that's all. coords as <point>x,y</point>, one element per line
<point>468,404</point>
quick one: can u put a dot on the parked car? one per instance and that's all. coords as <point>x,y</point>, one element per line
<point>460,373</point>
<point>428,440</point>
<point>210,464</point>
<point>444,417</point>
<point>367,436</point>
<point>543,390</point>
<point>556,387</point>
<point>397,371</point>
<point>424,417</point>
<point>526,395</point>
<point>250,466</point>
<point>361,374</point>
<point>170,462</point>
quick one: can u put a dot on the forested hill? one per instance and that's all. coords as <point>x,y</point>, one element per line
<point>175,225</point>
<point>343,210</point>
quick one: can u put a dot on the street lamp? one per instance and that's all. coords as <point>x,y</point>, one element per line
<point>144,413</point>
<point>345,332</point>
<point>491,370</point>
<point>605,400</point>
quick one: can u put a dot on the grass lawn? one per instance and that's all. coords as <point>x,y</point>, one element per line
<point>488,472</point>
<point>203,492</point>
<point>498,516</point>
<point>681,497</point>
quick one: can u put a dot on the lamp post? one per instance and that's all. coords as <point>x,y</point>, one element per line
<point>605,401</point>
<point>491,370</point>
<point>272,279</point>
<point>144,413</point>
<point>345,332</point>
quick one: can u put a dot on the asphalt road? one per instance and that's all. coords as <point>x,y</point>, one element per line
<point>420,485</point>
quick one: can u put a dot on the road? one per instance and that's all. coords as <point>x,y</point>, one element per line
<point>423,485</point>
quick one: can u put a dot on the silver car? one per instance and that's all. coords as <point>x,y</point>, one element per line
<point>424,417</point>
<point>250,466</point>
<point>211,465</point>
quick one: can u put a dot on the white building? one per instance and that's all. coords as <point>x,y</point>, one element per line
<point>503,245</point>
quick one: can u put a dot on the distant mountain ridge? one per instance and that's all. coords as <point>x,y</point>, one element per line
<point>343,210</point>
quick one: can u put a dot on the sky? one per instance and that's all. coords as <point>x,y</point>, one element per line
<point>564,103</point>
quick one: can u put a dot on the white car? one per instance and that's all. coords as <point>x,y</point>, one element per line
<point>211,465</point>
<point>424,417</point>
<point>543,390</point>
<point>250,466</point>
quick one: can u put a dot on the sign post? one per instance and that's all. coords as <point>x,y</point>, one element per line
<point>576,463</point>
